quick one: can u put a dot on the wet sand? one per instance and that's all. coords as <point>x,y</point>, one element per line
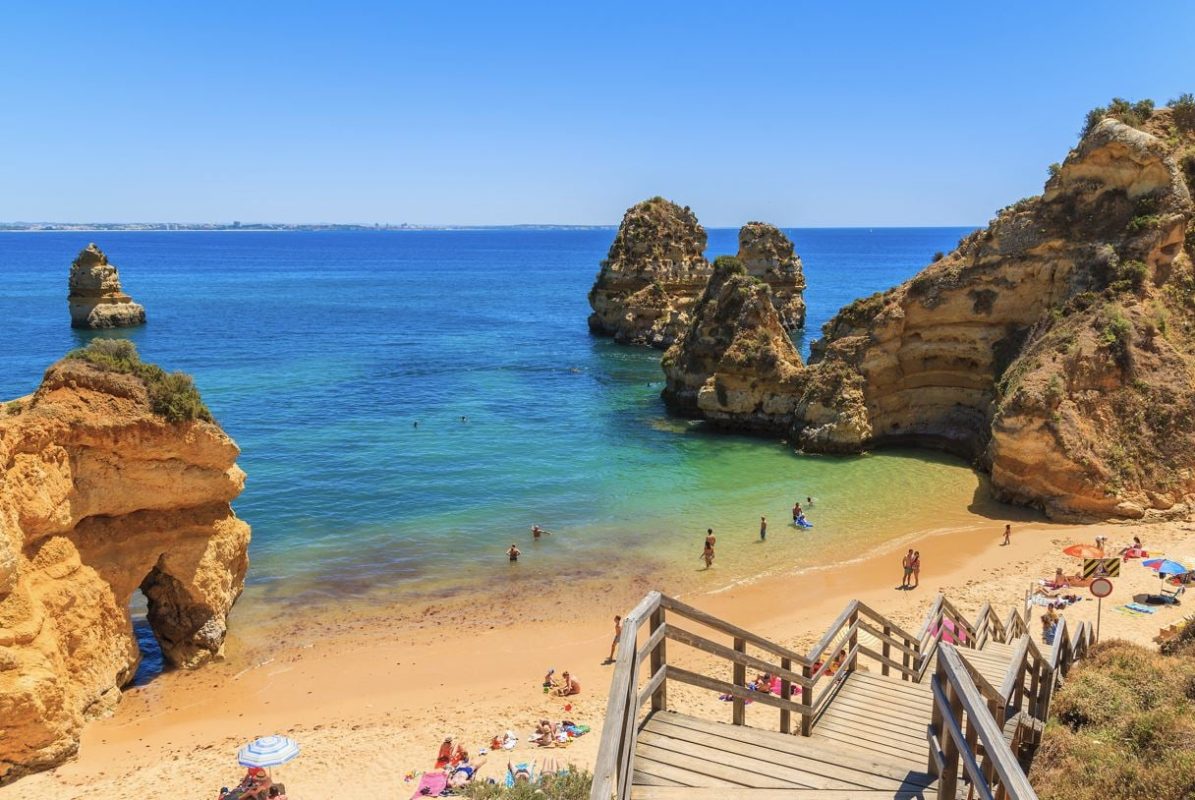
<point>370,691</point>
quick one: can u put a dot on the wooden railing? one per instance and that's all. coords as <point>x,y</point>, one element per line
<point>809,682</point>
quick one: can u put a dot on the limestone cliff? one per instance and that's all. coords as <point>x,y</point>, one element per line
<point>766,253</point>
<point>96,298</point>
<point>734,363</point>
<point>652,276</point>
<point>1056,346</point>
<point>101,494</point>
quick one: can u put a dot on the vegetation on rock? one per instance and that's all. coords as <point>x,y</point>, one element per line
<point>572,784</point>
<point>172,395</point>
<point>1123,726</point>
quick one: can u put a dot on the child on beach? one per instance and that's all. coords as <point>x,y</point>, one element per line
<point>763,529</point>
<point>569,687</point>
<point>796,511</point>
<point>708,553</point>
<point>617,635</point>
<point>1007,535</point>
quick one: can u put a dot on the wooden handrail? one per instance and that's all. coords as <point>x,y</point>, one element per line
<point>955,694</point>
<point>696,615</point>
<point>734,656</point>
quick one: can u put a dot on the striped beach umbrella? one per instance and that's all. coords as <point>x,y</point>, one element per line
<point>268,751</point>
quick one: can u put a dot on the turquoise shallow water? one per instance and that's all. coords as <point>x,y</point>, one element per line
<point>318,352</point>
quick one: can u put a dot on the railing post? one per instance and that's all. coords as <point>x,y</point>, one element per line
<point>807,701</point>
<point>887,650</point>
<point>786,716</point>
<point>740,679</point>
<point>853,642</point>
<point>948,778</point>
<point>659,659</point>
<point>904,659</point>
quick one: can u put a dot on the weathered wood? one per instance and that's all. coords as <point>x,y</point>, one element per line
<point>710,621</point>
<point>832,632</point>
<point>740,679</point>
<point>733,655</point>
<point>786,716</point>
<point>886,649</point>
<point>659,658</point>
<point>884,661</point>
<point>722,687</point>
<point>653,641</point>
<point>952,748</point>
<point>740,793</point>
<point>652,687</point>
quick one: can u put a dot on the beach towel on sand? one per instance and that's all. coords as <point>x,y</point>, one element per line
<point>432,784</point>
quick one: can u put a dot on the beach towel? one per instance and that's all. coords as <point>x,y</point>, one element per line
<point>432,784</point>
<point>522,772</point>
<point>1139,608</point>
<point>951,633</point>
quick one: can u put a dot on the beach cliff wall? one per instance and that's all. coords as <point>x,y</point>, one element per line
<point>112,478</point>
<point>1055,347</point>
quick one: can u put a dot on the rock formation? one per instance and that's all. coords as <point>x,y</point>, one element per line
<point>652,276</point>
<point>96,299</point>
<point>100,496</point>
<point>735,364</point>
<point>1056,346</point>
<point>766,253</point>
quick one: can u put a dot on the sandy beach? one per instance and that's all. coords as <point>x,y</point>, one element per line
<point>371,692</point>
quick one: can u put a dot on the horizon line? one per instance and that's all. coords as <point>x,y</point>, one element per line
<point>19,226</point>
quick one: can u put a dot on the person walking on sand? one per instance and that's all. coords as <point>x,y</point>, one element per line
<point>513,553</point>
<point>907,564</point>
<point>916,565</point>
<point>617,636</point>
<point>708,553</point>
<point>763,529</point>
<point>1007,536</point>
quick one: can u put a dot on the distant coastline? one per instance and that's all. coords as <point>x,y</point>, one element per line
<point>68,227</point>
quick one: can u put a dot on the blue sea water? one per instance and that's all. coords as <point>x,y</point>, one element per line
<point>318,353</point>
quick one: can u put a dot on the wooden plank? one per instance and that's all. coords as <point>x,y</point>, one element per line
<point>730,654</point>
<point>950,727</point>
<point>606,767</point>
<point>805,769</point>
<point>794,771</point>
<point>641,778</point>
<point>886,662</point>
<point>701,681</point>
<point>788,746</point>
<point>832,632</point>
<point>710,621</point>
<point>910,738</point>
<point>653,685</point>
<point>661,769</point>
<point>703,766</point>
<point>686,793</point>
<point>880,619</point>
<point>1011,775</point>
<point>649,647</point>
<point>851,742</point>
<point>874,711</point>
<point>879,698</point>
<point>918,692</point>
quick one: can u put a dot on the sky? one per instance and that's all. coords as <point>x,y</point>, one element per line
<point>799,114</point>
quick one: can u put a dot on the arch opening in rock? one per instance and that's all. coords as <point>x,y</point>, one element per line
<point>152,662</point>
<point>188,629</point>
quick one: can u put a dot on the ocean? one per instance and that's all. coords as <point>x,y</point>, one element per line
<point>318,352</point>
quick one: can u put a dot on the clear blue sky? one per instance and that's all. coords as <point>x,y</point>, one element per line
<point>802,114</point>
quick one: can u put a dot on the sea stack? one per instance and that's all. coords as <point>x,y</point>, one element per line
<point>96,298</point>
<point>112,478</point>
<point>766,253</point>
<point>652,276</point>
<point>1055,347</point>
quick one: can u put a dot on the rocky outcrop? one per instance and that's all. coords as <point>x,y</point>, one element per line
<point>1056,346</point>
<point>734,363</point>
<point>766,253</point>
<point>100,496</point>
<point>96,298</point>
<point>652,276</point>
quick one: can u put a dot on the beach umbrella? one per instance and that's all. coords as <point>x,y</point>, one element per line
<point>268,751</point>
<point>1083,551</point>
<point>1164,566</point>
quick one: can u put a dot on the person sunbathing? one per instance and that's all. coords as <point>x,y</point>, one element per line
<point>444,757</point>
<point>569,687</point>
<point>545,734</point>
<point>763,683</point>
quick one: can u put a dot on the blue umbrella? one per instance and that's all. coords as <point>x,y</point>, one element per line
<point>1164,566</point>
<point>268,751</point>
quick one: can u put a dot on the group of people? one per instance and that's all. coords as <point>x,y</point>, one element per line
<point>912,567</point>
<point>707,553</point>
<point>513,552</point>
<point>256,785</point>
<point>567,686</point>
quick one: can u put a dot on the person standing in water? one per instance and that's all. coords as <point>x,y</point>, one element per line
<point>513,553</point>
<point>537,532</point>
<point>708,553</point>
<point>763,529</point>
<point>809,502</point>
<point>796,511</point>
<point>1007,536</point>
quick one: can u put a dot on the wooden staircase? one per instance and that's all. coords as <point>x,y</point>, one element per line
<point>883,713</point>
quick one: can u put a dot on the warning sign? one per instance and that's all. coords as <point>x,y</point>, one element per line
<point>1101,568</point>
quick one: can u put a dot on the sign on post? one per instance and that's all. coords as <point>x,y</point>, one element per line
<point>1097,567</point>
<point>1101,588</point>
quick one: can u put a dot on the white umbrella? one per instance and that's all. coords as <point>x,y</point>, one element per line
<point>268,751</point>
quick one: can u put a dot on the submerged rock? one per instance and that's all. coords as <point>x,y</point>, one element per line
<point>1056,346</point>
<point>96,298</point>
<point>101,495</point>
<point>652,276</point>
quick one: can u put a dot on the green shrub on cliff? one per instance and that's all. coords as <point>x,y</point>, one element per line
<point>172,395</point>
<point>1123,726</point>
<point>571,784</point>
<point>1183,110</point>
<point>1134,114</point>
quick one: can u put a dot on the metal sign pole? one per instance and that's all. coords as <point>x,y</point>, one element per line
<point>1099,614</point>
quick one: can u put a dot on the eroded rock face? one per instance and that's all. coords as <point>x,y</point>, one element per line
<point>652,276</point>
<point>766,253</point>
<point>1056,346</point>
<point>96,298</point>
<point>98,497</point>
<point>734,364</point>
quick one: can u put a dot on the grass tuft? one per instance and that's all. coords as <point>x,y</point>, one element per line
<point>172,395</point>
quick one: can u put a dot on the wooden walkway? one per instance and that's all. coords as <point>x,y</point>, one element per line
<point>922,718</point>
